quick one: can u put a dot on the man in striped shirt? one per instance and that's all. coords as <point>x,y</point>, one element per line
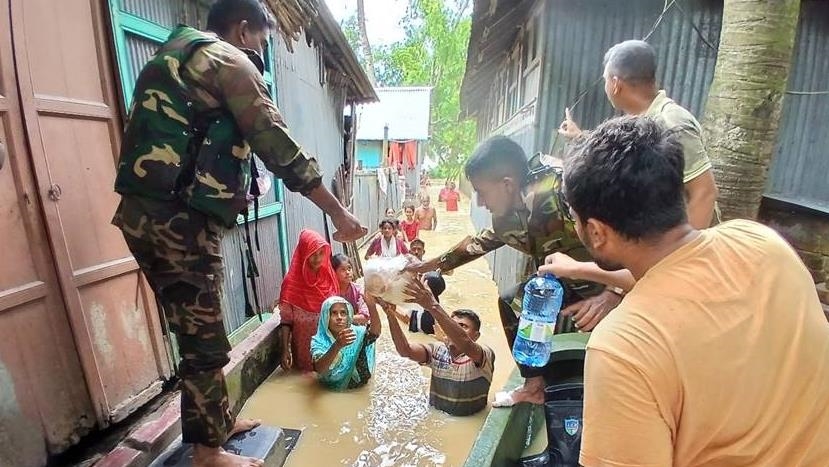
<point>461,368</point>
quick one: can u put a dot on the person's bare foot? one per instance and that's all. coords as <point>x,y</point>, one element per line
<point>243,425</point>
<point>528,394</point>
<point>204,456</point>
<point>532,391</point>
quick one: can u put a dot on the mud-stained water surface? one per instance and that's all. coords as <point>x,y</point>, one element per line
<point>389,421</point>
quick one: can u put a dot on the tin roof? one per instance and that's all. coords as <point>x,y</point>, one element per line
<point>405,110</point>
<point>495,26</point>
<point>314,16</point>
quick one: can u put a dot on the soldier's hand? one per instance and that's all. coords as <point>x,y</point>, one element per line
<point>348,227</point>
<point>568,127</point>
<point>561,265</point>
<point>287,359</point>
<point>345,337</point>
<point>589,312</point>
<point>420,267</point>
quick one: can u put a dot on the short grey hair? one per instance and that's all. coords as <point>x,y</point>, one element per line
<point>633,61</point>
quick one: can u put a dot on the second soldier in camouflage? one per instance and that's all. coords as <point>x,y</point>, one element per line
<point>529,215</point>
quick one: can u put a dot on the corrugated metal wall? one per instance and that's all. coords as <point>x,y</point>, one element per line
<point>578,35</point>
<point>140,51</point>
<point>165,13</point>
<point>800,172</point>
<point>370,203</point>
<point>268,261</point>
<point>314,114</point>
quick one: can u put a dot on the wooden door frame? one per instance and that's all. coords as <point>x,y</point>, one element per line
<point>70,280</point>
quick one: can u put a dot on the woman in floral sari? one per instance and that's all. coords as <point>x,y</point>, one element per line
<point>309,281</point>
<point>343,353</point>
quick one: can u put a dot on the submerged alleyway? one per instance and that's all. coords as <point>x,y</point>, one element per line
<point>389,422</point>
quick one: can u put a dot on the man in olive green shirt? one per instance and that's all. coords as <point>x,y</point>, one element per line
<point>630,85</point>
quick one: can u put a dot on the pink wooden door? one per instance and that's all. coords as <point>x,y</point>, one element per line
<point>42,389</point>
<point>72,124</point>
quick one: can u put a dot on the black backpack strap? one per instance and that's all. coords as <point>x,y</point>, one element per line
<point>248,308</point>
<point>254,191</point>
<point>252,271</point>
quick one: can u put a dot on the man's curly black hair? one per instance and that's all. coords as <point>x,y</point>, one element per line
<point>628,174</point>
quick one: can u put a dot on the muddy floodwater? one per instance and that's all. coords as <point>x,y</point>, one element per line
<point>389,421</point>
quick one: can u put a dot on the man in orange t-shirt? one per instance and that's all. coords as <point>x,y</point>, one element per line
<point>719,355</point>
<point>451,197</point>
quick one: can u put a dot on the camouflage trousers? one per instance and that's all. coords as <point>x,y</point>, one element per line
<point>187,284</point>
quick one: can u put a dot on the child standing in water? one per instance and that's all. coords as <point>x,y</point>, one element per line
<point>343,352</point>
<point>348,289</point>
<point>409,226</point>
<point>426,215</point>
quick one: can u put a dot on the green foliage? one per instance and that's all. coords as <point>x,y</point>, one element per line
<point>432,54</point>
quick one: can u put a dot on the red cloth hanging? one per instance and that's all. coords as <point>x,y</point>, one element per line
<point>410,153</point>
<point>395,154</point>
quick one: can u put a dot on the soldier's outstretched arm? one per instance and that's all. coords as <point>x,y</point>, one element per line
<point>468,249</point>
<point>244,93</point>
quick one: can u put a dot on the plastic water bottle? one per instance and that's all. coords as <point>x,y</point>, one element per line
<point>542,302</point>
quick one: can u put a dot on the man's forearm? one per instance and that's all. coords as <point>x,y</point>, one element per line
<point>592,272</point>
<point>326,201</point>
<point>453,331</point>
<point>401,344</point>
<point>468,249</point>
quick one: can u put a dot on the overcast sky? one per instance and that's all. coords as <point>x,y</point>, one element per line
<point>382,17</point>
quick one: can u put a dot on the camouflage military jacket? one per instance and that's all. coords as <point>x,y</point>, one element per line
<point>539,228</point>
<point>200,107</point>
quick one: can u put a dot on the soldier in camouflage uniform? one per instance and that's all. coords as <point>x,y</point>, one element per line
<point>528,214</point>
<point>200,109</point>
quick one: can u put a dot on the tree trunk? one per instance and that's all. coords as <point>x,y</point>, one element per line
<point>366,46</point>
<point>746,97</point>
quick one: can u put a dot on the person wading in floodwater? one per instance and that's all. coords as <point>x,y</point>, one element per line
<point>200,109</point>
<point>525,200</point>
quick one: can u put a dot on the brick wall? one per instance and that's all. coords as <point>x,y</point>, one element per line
<point>808,232</point>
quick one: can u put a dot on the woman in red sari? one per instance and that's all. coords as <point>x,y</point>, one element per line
<point>309,281</point>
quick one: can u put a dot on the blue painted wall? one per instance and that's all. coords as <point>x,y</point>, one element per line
<point>368,152</point>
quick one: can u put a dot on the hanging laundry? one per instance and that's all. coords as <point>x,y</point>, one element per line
<point>410,153</point>
<point>383,179</point>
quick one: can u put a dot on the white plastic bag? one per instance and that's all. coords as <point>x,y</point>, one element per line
<point>384,278</point>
